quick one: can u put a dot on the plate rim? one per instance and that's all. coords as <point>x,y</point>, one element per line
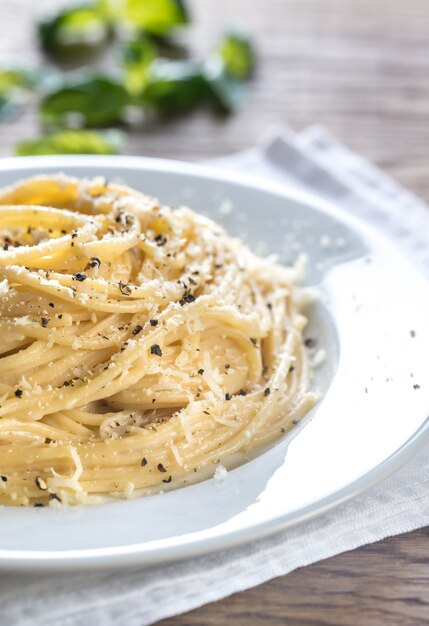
<point>141,554</point>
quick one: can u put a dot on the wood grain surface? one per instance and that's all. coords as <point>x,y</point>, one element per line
<point>361,68</point>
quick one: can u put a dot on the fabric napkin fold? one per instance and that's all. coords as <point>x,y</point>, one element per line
<point>315,161</point>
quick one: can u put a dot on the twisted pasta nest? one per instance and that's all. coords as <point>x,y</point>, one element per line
<point>139,344</point>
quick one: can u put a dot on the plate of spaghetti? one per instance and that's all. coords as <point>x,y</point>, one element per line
<point>189,360</point>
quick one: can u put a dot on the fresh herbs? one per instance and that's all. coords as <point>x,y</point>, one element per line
<point>75,31</point>
<point>87,99</point>
<point>73,142</point>
<point>153,75</point>
<point>158,17</point>
<point>237,54</point>
<point>15,85</point>
<point>137,57</point>
<point>173,87</point>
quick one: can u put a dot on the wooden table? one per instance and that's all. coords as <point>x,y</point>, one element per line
<point>360,67</point>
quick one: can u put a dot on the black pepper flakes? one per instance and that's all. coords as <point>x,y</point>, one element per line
<point>310,342</point>
<point>38,505</point>
<point>80,276</point>
<point>40,483</point>
<point>160,240</point>
<point>3,478</point>
<point>227,396</point>
<point>155,349</point>
<point>124,289</point>
<point>253,340</point>
<point>267,391</point>
<point>153,322</point>
<point>44,321</point>
<point>53,496</point>
<point>138,329</point>
<point>187,299</point>
<point>192,281</point>
<point>416,386</point>
<point>93,262</point>
<point>161,468</point>
<point>242,392</point>
<point>201,371</point>
<point>167,480</point>
<point>51,304</point>
<point>143,462</point>
<point>18,393</point>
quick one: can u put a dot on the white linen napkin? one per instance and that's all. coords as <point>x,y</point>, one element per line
<point>313,160</point>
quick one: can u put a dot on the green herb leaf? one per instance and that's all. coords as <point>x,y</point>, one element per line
<point>14,78</point>
<point>237,53</point>
<point>153,16</point>
<point>225,70</point>
<point>73,142</point>
<point>87,100</point>
<point>173,86</point>
<point>78,30</point>
<point>15,83</point>
<point>8,108</point>
<point>225,93</point>
<point>137,56</point>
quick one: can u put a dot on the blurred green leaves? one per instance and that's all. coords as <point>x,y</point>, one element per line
<point>158,17</point>
<point>145,82</point>
<point>226,69</point>
<point>73,142</point>
<point>137,57</point>
<point>173,87</point>
<point>91,100</point>
<point>75,31</point>
<point>19,77</point>
<point>15,85</point>
<point>237,55</point>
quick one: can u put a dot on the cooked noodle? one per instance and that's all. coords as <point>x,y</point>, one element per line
<point>138,344</point>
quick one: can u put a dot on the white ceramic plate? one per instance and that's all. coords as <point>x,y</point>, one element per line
<point>372,320</point>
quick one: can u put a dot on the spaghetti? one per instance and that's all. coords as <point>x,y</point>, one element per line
<point>139,344</point>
